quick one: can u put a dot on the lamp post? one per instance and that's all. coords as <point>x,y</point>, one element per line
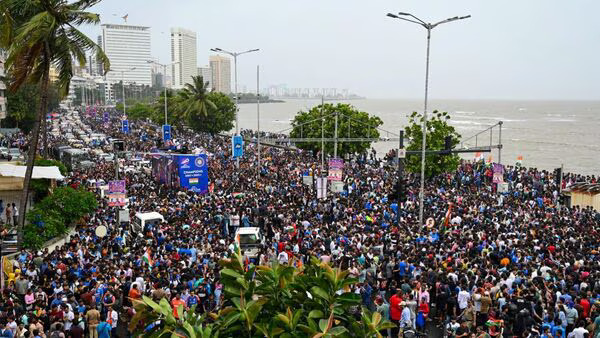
<point>123,87</point>
<point>429,27</point>
<point>237,119</point>
<point>164,76</point>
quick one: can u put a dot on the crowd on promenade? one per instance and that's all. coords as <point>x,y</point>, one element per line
<point>495,265</point>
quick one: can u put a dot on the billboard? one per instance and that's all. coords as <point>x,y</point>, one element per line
<point>336,169</point>
<point>116,193</point>
<point>193,173</point>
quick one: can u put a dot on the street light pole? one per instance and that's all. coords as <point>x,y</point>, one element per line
<point>123,87</point>
<point>164,76</point>
<point>429,27</point>
<point>258,122</point>
<point>237,117</point>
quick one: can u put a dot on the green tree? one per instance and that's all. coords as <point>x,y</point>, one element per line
<point>138,111</point>
<point>194,99</point>
<point>173,113</point>
<point>352,123</point>
<point>437,130</point>
<point>41,186</point>
<point>21,106</point>
<point>52,216</point>
<point>269,301</point>
<point>39,34</point>
<point>218,118</point>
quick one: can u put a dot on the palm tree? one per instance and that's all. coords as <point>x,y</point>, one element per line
<point>194,99</point>
<point>41,34</point>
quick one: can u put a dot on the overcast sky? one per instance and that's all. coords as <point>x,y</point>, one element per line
<point>509,49</point>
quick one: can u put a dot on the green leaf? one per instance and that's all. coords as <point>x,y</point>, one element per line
<point>316,314</point>
<point>323,323</point>
<point>230,273</point>
<point>317,291</point>
<point>337,330</point>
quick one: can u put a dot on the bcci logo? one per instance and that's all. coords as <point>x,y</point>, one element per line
<point>185,161</point>
<point>199,162</point>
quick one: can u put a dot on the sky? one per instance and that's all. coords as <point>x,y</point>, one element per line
<point>509,49</point>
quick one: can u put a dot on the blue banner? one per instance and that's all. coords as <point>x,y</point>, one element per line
<point>125,126</point>
<point>238,146</point>
<point>166,132</point>
<point>193,173</point>
<point>105,117</point>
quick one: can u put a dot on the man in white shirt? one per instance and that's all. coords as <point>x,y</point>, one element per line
<point>283,257</point>
<point>579,332</point>
<point>69,316</point>
<point>112,317</point>
<point>463,299</point>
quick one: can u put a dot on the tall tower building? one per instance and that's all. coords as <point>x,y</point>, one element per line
<point>206,73</point>
<point>127,47</point>
<point>183,51</point>
<point>221,73</point>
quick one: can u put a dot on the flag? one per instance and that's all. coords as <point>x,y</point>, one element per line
<point>148,258</point>
<point>448,214</point>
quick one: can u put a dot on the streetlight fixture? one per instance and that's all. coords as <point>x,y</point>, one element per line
<point>123,86</point>
<point>429,27</point>
<point>237,119</point>
<point>165,84</point>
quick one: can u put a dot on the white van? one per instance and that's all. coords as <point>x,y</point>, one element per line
<point>250,241</point>
<point>142,219</point>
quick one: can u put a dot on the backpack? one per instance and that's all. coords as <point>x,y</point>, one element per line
<point>55,334</point>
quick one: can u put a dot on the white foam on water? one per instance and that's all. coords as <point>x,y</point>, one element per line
<point>562,120</point>
<point>467,122</point>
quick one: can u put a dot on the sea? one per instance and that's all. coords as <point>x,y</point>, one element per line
<point>545,134</point>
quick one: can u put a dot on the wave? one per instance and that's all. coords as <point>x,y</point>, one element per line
<point>562,120</point>
<point>467,122</point>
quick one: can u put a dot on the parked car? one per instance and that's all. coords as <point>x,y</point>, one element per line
<point>3,152</point>
<point>15,154</point>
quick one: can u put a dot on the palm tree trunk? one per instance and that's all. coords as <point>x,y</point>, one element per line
<point>33,145</point>
<point>45,130</point>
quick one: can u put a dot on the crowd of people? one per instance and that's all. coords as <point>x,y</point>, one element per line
<point>484,264</point>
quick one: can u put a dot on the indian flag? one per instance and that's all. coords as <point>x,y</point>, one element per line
<point>148,258</point>
<point>194,180</point>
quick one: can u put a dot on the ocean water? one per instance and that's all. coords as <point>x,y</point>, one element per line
<point>546,133</point>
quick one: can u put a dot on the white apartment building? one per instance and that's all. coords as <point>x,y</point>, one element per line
<point>128,49</point>
<point>183,56</point>
<point>206,73</point>
<point>221,73</point>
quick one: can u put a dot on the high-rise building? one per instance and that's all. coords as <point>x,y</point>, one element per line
<point>127,47</point>
<point>2,88</point>
<point>221,73</point>
<point>206,73</point>
<point>183,56</point>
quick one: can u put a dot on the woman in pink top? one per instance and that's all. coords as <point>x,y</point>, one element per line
<point>29,299</point>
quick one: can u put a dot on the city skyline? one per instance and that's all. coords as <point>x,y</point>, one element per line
<point>508,50</point>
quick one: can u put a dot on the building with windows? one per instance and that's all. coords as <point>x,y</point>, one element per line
<point>206,73</point>
<point>128,49</point>
<point>183,56</point>
<point>221,73</point>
